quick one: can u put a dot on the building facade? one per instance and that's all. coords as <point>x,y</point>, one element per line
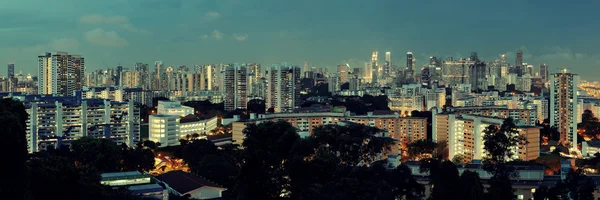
<point>563,105</point>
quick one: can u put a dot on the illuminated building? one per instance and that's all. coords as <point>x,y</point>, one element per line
<point>564,105</point>
<point>60,74</point>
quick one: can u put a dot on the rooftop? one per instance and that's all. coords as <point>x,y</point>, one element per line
<point>183,182</point>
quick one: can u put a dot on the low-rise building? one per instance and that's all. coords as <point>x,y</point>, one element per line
<point>405,129</point>
<point>180,183</point>
<point>139,184</point>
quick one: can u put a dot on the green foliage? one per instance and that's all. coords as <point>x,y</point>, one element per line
<point>102,154</point>
<point>458,159</point>
<point>499,144</point>
<point>204,159</point>
<point>266,149</point>
<point>137,159</point>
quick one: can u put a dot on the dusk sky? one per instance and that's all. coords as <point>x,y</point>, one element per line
<point>323,32</point>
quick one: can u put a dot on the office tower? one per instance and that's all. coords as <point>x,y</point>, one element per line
<point>374,58</point>
<point>283,88</point>
<point>563,105</point>
<point>410,68</point>
<point>519,64</point>
<point>368,76</point>
<point>60,73</point>
<point>544,72</point>
<point>306,68</point>
<point>456,72</point>
<point>388,58</point>
<point>343,73</point>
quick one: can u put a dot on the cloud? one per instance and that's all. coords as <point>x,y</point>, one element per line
<point>210,16</point>
<point>131,28</point>
<point>105,38</point>
<point>62,44</point>
<point>100,19</point>
<point>240,37</point>
<point>217,35</point>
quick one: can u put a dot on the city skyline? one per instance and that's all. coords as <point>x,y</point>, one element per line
<point>185,32</point>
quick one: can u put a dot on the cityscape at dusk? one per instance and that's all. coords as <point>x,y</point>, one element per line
<point>267,99</point>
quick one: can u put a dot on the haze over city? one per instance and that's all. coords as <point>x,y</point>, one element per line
<point>324,33</point>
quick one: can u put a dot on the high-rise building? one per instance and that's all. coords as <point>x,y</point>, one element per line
<point>284,85</point>
<point>388,58</point>
<point>519,64</point>
<point>374,58</point>
<point>11,70</point>
<point>387,68</point>
<point>12,81</point>
<point>477,75</point>
<point>544,72</point>
<point>145,78</point>
<point>343,73</point>
<point>563,105</point>
<point>57,121</point>
<point>409,73</point>
<point>130,79</point>
<point>60,73</point>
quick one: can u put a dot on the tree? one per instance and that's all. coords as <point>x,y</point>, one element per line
<point>458,159</point>
<point>472,189</point>
<point>137,159</point>
<point>14,147</point>
<point>576,186</point>
<point>500,143</point>
<point>266,150</point>
<point>102,154</point>
<point>541,193</point>
<point>588,116</point>
<point>420,148</point>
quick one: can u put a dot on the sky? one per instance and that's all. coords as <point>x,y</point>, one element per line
<point>562,34</point>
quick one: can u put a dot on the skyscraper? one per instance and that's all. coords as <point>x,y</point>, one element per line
<point>283,88</point>
<point>343,73</point>
<point>519,64</point>
<point>544,72</point>
<point>409,73</point>
<point>374,58</point>
<point>563,105</point>
<point>11,70</point>
<point>60,73</point>
<point>158,75</point>
<point>12,81</point>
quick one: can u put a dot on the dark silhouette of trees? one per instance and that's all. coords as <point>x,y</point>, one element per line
<point>14,149</point>
<point>499,143</point>
<point>101,154</point>
<point>266,149</point>
<point>421,149</point>
<point>137,159</point>
<point>472,189</point>
<point>575,186</point>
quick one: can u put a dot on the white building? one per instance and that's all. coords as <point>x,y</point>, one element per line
<point>564,105</point>
<point>173,108</point>
<point>164,129</point>
<point>54,122</point>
